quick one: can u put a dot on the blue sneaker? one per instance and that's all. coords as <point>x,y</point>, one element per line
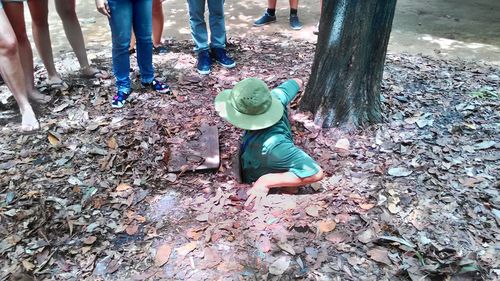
<point>295,22</point>
<point>265,19</point>
<point>157,85</point>
<point>119,99</point>
<point>220,56</point>
<point>204,63</point>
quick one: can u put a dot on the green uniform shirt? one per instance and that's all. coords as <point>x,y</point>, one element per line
<point>271,150</point>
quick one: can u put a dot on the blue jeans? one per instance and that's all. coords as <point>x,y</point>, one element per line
<point>126,14</point>
<point>199,27</point>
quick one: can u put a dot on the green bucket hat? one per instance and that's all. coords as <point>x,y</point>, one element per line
<point>249,105</point>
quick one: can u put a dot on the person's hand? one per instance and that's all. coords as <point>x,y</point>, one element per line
<point>257,193</point>
<point>103,7</point>
<point>300,82</point>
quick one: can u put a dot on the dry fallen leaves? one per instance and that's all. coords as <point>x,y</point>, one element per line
<point>89,240</point>
<point>279,266</point>
<point>112,144</point>
<point>468,158</point>
<point>186,248</point>
<point>336,237</point>
<point>380,255</point>
<point>366,206</point>
<point>163,254</point>
<point>399,172</point>
<point>287,248</point>
<point>313,211</point>
<point>202,217</point>
<point>326,226</point>
<point>53,139</point>
<point>132,229</point>
<point>343,144</point>
<point>366,236</point>
<point>123,187</point>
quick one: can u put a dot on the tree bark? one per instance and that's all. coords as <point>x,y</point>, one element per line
<point>344,86</point>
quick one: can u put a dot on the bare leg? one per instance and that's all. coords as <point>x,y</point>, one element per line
<point>41,35</point>
<point>316,28</point>
<point>15,14</point>
<point>13,74</point>
<point>132,41</point>
<point>67,12</point>
<point>294,4</point>
<point>158,20</point>
<point>271,4</point>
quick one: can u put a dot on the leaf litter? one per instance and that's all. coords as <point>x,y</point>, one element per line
<point>412,198</point>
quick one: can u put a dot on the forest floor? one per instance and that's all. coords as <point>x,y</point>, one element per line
<point>413,198</point>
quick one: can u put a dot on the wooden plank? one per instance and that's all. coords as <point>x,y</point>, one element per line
<point>201,154</point>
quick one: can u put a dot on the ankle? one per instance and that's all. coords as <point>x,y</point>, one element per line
<point>293,12</point>
<point>55,78</point>
<point>26,109</point>
<point>271,12</point>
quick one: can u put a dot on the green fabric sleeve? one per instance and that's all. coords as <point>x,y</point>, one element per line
<point>286,91</point>
<point>287,157</point>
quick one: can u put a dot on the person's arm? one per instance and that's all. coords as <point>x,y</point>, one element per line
<point>287,179</point>
<point>261,187</point>
<point>103,7</point>
<point>287,91</point>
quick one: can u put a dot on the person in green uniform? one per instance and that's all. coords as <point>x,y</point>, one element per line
<point>268,156</point>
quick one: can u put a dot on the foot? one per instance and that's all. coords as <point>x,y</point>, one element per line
<point>92,72</point>
<point>316,29</point>
<point>38,97</point>
<point>120,99</point>
<point>295,22</point>
<point>29,121</point>
<point>204,63</point>
<point>220,56</point>
<point>265,19</point>
<point>157,85</point>
<point>56,83</point>
<point>160,49</point>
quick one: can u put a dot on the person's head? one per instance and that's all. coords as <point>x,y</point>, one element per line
<point>249,105</point>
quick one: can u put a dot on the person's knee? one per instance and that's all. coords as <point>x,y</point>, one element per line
<point>66,12</point>
<point>318,176</point>
<point>9,46</point>
<point>217,13</point>
<point>39,21</point>
<point>196,18</point>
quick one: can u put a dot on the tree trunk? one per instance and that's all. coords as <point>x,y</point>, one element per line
<point>344,87</point>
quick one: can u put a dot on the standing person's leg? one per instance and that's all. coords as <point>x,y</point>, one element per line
<point>132,43</point>
<point>15,14</point>
<point>294,18</point>
<point>13,74</point>
<point>198,25</point>
<point>121,29</point>
<point>271,4</point>
<point>143,22</point>
<point>316,28</point>
<point>218,33</point>
<point>158,21</point>
<point>269,16</point>
<point>200,35</point>
<point>39,10</point>
<point>67,12</point>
